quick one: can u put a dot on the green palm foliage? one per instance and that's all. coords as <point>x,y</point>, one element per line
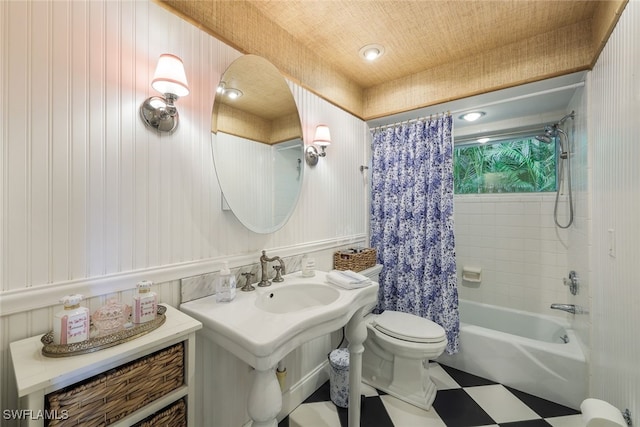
<point>519,166</point>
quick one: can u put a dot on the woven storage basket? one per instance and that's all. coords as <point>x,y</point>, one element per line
<point>110,396</point>
<point>174,415</point>
<point>354,261</point>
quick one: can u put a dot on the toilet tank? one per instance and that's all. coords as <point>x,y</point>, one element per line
<point>372,273</point>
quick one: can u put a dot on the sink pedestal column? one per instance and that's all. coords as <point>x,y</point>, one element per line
<point>356,333</point>
<point>265,398</point>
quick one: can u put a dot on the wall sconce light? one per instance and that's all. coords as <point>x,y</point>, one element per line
<point>169,79</point>
<point>322,139</point>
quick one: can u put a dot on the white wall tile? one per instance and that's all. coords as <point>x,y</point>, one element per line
<point>518,254</point>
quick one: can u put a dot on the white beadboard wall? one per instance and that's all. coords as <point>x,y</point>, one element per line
<point>614,153</point>
<point>92,201</point>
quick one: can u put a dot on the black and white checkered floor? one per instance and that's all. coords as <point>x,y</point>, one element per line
<point>463,400</point>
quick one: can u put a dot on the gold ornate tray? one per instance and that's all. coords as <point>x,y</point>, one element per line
<point>100,343</point>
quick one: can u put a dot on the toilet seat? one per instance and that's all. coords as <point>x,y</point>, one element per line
<point>408,327</point>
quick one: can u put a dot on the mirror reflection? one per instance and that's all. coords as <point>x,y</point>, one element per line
<point>257,145</point>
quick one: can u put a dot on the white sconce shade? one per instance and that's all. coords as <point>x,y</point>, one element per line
<point>158,112</point>
<point>323,136</point>
<point>322,139</point>
<point>170,76</point>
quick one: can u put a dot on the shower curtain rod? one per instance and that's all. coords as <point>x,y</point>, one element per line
<point>489,104</point>
<point>425,118</point>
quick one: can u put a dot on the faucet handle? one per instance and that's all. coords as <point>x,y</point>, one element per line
<point>278,277</point>
<point>248,286</point>
<point>572,282</point>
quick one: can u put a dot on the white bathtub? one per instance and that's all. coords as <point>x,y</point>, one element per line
<point>521,350</point>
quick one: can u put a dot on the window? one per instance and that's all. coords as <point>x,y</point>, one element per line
<point>522,165</point>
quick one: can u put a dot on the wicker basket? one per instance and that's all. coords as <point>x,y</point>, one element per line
<point>110,396</point>
<point>354,261</point>
<point>174,415</point>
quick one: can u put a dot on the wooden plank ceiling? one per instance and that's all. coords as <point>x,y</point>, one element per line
<point>435,50</point>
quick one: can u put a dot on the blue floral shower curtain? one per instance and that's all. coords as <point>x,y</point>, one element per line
<point>412,221</point>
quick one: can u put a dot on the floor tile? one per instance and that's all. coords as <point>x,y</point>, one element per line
<point>322,394</point>
<point>527,423</point>
<point>501,404</point>
<point>317,414</point>
<point>458,409</point>
<point>368,391</point>
<point>462,400</point>
<point>284,422</point>
<point>543,407</point>
<point>374,413</point>
<point>441,378</point>
<point>464,379</point>
<point>404,414</point>
<point>566,421</point>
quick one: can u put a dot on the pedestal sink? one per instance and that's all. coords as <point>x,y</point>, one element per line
<point>263,326</point>
<point>289,299</point>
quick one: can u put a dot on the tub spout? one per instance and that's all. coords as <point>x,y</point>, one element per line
<point>569,308</point>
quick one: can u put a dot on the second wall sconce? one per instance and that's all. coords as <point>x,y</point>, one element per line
<point>169,79</point>
<point>322,139</point>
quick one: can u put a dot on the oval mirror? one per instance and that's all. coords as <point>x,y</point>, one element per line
<point>256,140</point>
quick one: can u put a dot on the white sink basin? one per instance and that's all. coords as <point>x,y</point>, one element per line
<point>296,297</point>
<point>263,326</point>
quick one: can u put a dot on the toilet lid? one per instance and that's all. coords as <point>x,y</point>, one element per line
<point>408,327</point>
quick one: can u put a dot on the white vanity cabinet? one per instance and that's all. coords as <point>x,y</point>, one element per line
<point>38,376</point>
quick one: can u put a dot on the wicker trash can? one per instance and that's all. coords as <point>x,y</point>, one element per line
<point>339,377</point>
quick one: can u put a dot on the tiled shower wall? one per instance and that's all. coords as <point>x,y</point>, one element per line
<point>513,239</point>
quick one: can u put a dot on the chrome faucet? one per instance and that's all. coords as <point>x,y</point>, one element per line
<point>264,280</point>
<point>569,308</point>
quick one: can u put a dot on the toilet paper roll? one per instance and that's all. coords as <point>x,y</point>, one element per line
<point>598,413</point>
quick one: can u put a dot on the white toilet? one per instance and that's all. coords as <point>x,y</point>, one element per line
<point>397,353</point>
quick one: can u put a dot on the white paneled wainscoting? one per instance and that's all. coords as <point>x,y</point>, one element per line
<point>91,201</point>
<point>226,377</point>
<point>614,152</point>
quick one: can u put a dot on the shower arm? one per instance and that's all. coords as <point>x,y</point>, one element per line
<point>571,115</point>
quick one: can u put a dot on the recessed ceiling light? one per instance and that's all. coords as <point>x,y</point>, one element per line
<point>372,52</point>
<point>483,140</point>
<point>472,116</point>
<point>233,93</point>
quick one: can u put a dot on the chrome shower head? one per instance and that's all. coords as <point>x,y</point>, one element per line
<point>550,132</point>
<point>544,138</point>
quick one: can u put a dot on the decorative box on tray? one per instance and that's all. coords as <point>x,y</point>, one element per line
<point>117,335</point>
<point>354,259</point>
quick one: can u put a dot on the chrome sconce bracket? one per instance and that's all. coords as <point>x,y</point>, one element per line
<point>311,155</point>
<point>160,113</point>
